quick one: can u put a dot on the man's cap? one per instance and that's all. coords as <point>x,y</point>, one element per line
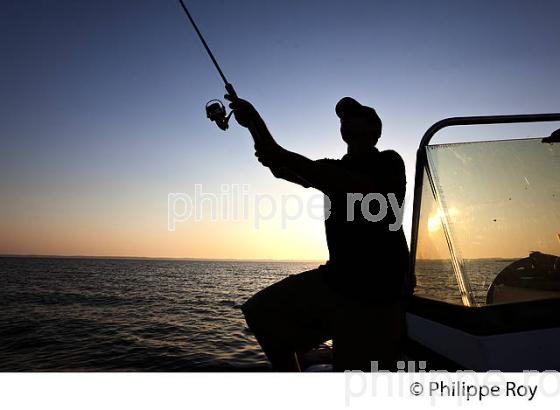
<point>349,107</point>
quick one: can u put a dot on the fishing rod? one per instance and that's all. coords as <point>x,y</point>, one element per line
<point>215,109</point>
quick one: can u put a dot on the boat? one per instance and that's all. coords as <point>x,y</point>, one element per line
<point>485,270</point>
<point>484,251</point>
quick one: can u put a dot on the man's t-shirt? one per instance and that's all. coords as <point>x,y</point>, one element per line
<point>367,257</point>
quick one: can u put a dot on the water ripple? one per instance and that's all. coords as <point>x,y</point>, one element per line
<point>62,314</point>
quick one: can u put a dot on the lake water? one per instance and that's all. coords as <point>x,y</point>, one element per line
<point>62,314</point>
<point>68,314</point>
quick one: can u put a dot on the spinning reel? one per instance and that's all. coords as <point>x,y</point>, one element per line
<point>216,111</point>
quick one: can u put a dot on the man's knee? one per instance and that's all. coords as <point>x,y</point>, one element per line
<point>260,311</point>
<point>253,315</point>
<point>268,305</point>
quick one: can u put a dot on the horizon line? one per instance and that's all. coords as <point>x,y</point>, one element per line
<point>54,256</point>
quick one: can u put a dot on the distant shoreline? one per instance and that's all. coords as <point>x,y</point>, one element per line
<point>158,258</point>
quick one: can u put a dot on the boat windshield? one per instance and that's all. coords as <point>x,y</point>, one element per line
<point>489,226</point>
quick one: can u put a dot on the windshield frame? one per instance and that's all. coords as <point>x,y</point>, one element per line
<point>422,166</point>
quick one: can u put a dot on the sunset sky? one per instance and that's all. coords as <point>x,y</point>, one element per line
<point>103,108</point>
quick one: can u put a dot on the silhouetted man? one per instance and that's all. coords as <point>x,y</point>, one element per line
<point>354,299</point>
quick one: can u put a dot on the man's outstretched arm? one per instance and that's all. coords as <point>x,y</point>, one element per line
<point>326,176</point>
<point>248,117</point>
<point>294,167</point>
